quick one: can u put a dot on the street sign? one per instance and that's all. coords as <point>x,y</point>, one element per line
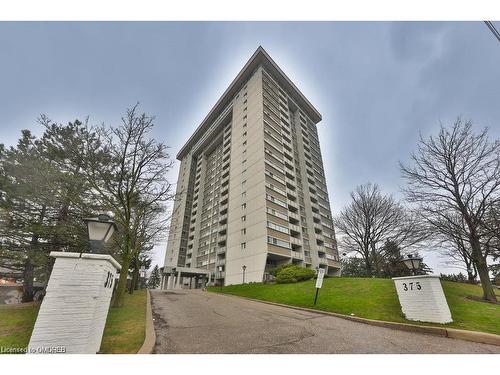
<point>319,280</point>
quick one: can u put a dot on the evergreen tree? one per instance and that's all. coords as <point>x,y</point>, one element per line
<point>155,278</point>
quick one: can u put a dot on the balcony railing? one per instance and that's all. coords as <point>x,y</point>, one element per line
<point>220,262</point>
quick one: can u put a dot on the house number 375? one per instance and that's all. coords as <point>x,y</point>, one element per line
<point>412,286</point>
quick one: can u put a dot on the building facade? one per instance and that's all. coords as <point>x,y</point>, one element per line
<point>251,190</point>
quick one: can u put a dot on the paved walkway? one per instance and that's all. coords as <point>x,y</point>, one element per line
<point>202,322</point>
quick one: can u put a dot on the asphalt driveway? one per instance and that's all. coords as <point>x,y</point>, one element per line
<point>201,322</point>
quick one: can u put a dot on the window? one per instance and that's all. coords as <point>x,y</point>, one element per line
<point>279,202</point>
<point>243,245</point>
<point>244,231</point>
<point>279,228</point>
<point>244,134</point>
<point>278,242</point>
<point>243,218</point>
<point>244,194</point>
<point>244,144</point>
<point>243,206</point>
<point>243,183</point>
<point>281,215</point>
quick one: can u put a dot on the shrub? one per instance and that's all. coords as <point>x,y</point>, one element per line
<point>275,271</point>
<point>293,274</point>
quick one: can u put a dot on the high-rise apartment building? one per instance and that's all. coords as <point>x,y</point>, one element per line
<point>252,190</point>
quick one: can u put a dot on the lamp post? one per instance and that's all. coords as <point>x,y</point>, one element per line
<point>244,268</point>
<point>99,229</point>
<point>142,276</point>
<point>220,274</point>
<point>413,263</point>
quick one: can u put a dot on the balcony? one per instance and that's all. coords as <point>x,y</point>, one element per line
<point>221,250</point>
<point>295,241</point>
<point>293,217</point>
<point>222,239</point>
<point>297,255</point>
<point>220,262</point>
<point>223,219</point>
<point>333,263</point>
<point>294,229</point>
<point>292,206</point>
<point>290,173</point>
<point>221,274</point>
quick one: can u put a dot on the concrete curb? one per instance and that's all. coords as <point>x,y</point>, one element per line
<point>474,336</point>
<point>150,337</point>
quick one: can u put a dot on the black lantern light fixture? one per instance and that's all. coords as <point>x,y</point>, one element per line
<point>99,229</point>
<point>413,263</point>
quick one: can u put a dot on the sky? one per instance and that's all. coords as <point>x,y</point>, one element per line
<point>378,85</point>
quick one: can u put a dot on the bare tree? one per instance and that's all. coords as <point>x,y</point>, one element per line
<point>455,174</point>
<point>456,249</point>
<point>370,220</point>
<point>131,181</point>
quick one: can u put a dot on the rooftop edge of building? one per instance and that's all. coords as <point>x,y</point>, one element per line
<point>260,57</point>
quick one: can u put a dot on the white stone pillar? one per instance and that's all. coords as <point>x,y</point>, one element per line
<point>422,298</point>
<point>73,313</point>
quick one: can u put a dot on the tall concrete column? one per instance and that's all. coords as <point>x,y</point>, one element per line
<point>178,281</point>
<point>74,311</point>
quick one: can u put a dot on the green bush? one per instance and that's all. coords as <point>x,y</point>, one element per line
<point>275,271</point>
<point>293,274</point>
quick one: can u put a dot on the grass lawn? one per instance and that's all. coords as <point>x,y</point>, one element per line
<point>16,324</point>
<point>126,326</point>
<point>124,332</point>
<point>374,299</point>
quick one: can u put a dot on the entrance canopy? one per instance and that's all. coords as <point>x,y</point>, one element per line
<point>172,277</point>
<point>185,271</point>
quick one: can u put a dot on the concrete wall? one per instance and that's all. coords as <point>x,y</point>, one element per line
<point>255,253</point>
<point>179,210</point>
<point>422,299</point>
